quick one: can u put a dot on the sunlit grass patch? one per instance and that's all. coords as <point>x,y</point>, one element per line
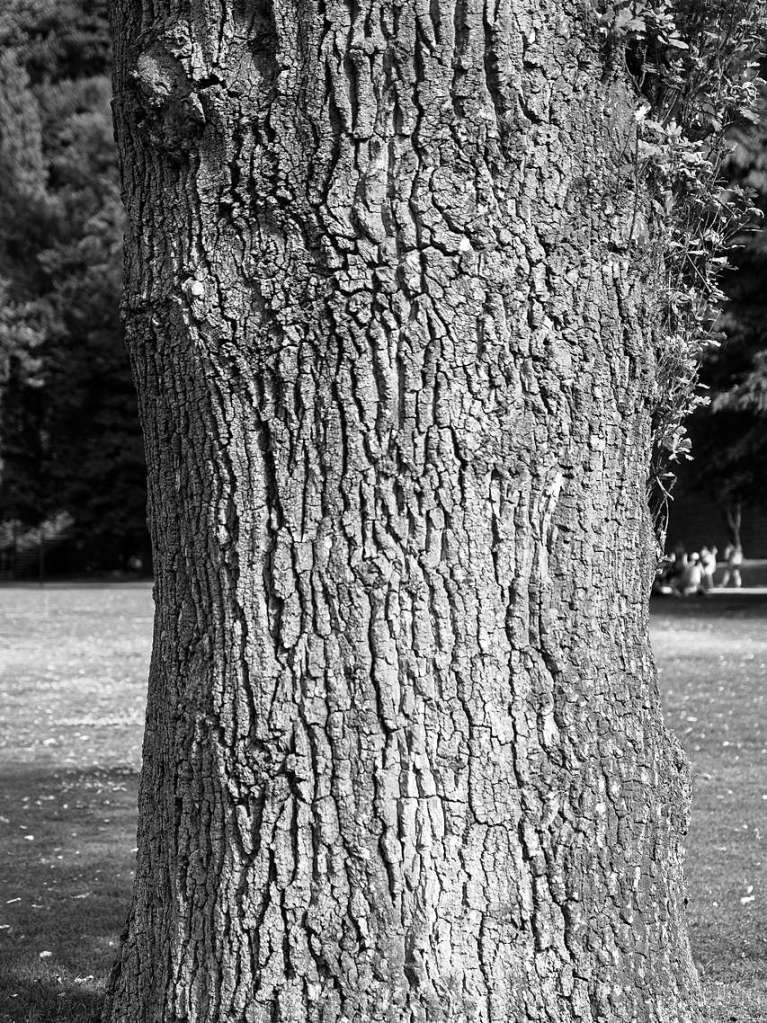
<point>712,655</point>
<point>73,665</point>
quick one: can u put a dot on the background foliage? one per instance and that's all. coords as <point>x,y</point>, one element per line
<point>696,72</point>
<point>70,448</point>
<point>69,438</point>
<point>729,434</point>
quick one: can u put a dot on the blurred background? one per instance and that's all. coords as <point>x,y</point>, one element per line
<point>72,499</point>
<point>72,492</point>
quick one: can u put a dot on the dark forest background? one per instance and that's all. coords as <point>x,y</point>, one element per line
<point>71,463</point>
<point>70,445</point>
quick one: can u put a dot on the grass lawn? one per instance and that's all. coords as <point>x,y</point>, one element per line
<point>73,663</point>
<point>712,656</point>
<point>73,667</point>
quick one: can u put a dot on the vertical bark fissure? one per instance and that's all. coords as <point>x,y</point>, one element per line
<point>404,757</point>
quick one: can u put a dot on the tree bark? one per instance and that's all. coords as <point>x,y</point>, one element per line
<point>404,755</point>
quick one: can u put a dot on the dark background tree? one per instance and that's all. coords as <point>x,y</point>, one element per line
<point>729,433</point>
<point>69,436</point>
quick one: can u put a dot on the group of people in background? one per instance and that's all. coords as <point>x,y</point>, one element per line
<point>685,575</point>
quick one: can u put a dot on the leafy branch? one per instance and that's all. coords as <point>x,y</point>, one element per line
<point>694,66</point>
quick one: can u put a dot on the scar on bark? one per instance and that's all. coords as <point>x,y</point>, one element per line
<point>169,107</point>
<point>169,86</point>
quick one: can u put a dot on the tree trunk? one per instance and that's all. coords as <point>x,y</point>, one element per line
<point>404,755</point>
<point>733,513</point>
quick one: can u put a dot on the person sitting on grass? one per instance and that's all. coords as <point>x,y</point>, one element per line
<point>691,580</point>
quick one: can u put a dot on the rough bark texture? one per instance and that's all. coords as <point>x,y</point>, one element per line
<point>404,757</point>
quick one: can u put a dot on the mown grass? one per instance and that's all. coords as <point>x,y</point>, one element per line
<point>73,664</point>
<point>712,657</point>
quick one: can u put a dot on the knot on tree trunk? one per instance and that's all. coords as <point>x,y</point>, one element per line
<point>170,81</point>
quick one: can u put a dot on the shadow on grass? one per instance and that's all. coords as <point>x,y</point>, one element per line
<point>730,603</point>
<point>43,1002</point>
<point>66,866</point>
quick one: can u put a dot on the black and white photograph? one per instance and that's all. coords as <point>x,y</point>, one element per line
<point>383,511</point>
